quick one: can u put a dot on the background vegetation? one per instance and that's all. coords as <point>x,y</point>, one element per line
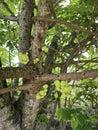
<point>61,43</point>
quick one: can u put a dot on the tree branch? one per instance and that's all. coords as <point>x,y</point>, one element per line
<point>93,13</point>
<point>70,76</point>
<point>85,61</point>
<point>11,18</point>
<point>30,73</point>
<point>40,29</point>
<point>12,89</point>
<point>16,72</point>
<point>77,49</point>
<point>45,77</point>
<point>71,25</point>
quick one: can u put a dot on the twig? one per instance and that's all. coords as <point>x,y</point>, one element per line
<point>71,25</point>
<point>11,18</point>
<point>8,8</point>
<point>77,49</point>
<point>85,61</point>
<point>11,89</point>
<point>93,13</point>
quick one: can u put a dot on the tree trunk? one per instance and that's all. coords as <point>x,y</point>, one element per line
<point>9,117</point>
<point>29,110</point>
<point>26,108</point>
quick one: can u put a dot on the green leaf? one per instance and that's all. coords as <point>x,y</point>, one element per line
<point>59,113</point>
<point>74,123</point>
<point>43,117</point>
<point>63,114</point>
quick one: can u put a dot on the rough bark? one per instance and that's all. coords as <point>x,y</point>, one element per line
<point>40,28</point>
<point>16,72</point>
<point>25,25</point>
<point>40,32</point>
<point>70,76</point>
<point>47,77</point>
<point>29,110</point>
<point>29,106</point>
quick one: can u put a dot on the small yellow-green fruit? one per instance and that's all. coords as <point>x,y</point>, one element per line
<point>56,95</point>
<point>36,60</point>
<point>42,93</point>
<point>38,96</point>
<point>63,83</point>
<point>57,84</point>
<point>45,49</point>
<point>45,86</point>
<point>23,58</point>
